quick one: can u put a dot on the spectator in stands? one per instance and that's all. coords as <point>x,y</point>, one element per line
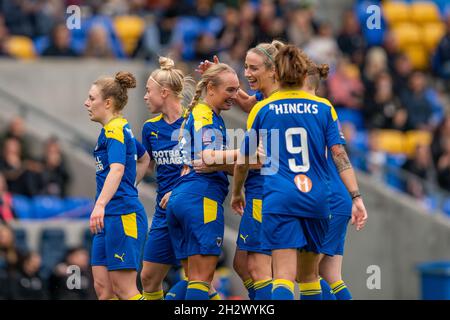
<point>60,43</point>
<point>345,87</point>
<point>26,283</point>
<point>384,110</point>
<point>300,30</point>
<point>78,258</point>
<point>350,40</point>
<point>55,175</point>
<point>149,46</point>
<point>8,252</point>
<point>19,178</point>
<point>402,71</point>
<point>97,45</point>
<point>375,63</point>
<point>16,129</point>
<point>441,58</point>
<point>205,47</point>
<point>3,37</point>
<point>229,35</point>
<point>443,165</point>
<point>418,107</point>
<point>422,173</point>
<point>6,205</point>
<point>439,138</point>
<point>323,47</point>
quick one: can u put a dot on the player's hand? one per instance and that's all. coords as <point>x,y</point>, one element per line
<point>359,214</point>
<point>203,66</point>
<point>261,154</point>
<point>238,203</point>
<point>165,200</point>
<point>185,170</point>
<point>96,223</point>
<point>200,167</point>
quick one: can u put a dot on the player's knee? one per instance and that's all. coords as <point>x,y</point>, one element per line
<point>151,281</point>
<point>259,271</point>
<point>239,266</point>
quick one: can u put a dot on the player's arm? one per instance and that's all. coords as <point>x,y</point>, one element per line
<point>112,182</point>
<point>239,177</point>
<point>347,174</point>
<point>142,162</point>
<point>142,166</point>
<point>245,101</point>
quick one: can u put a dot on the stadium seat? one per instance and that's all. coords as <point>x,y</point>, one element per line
<point>414,138</point>
<point>20,236</point>
<point>129,29</point>
<point>424,11</point>
<point>407,34</point>
<point>418,55</point>
<point>432,34</point>
<point>45,207</point>
<point>396,12</point>
<point>22,207</point>
<point>390,141</point>
<point>20,47</point>
<point>52,249</point>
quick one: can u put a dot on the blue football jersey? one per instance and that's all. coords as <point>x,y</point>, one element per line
<point>204,129</point>
<point>296,128</point>
<point>116,144</point>
<point>160,139</point>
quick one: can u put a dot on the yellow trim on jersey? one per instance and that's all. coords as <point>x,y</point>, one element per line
<point>286,94</point>
<point>209,210</point>
<point>257,210</point>
<point>203,116</point>
<point>130,225</point>
<point>114,129</point>
<point>155,119</point>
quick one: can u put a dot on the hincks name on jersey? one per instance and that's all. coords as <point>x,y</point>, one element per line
<point>167,157</point>
<point>290,108</point>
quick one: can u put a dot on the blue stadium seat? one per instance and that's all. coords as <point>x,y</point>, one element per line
<point>52,249</point>
<point>23,207</point>
<point>392,177</point>
<point>77,208</point>
<point>446,207</point>
<point>350,115</point>
<point>20,236</point>
<point>87,240</point>
<point>47,206</point>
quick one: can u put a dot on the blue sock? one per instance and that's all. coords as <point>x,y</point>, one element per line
<point>178,291</point>
<point>250,286</point>
<point>310,291</point>
<point>263,289</point>
<point>327,294</point>
<point>197,290</point>
<point>282,289</point>
<point>341,291</point>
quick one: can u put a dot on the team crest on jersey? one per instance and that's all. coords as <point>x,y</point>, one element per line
<point>219,241</point>
<point>303,183</point>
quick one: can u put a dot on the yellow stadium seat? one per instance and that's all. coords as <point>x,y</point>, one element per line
<point>129,29</point>
<point>424,11</point>
<point>391,141</point>
<point>407,34</point>
<point>418,55</point>
<point>396,12</point>
<point>20,47</point>
<point>432,34</point>
<point>415,138</point>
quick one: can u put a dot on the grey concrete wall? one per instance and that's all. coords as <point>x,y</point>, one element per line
<point>399,235</point>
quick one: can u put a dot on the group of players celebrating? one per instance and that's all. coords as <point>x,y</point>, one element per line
<point>293,183</point>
